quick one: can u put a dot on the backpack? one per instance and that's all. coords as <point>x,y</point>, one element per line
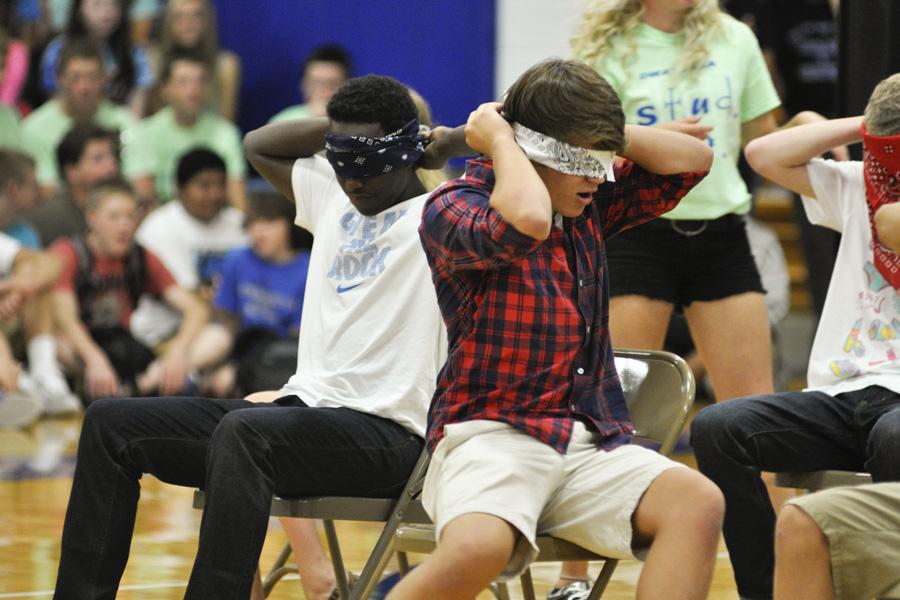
<point>88,284</point>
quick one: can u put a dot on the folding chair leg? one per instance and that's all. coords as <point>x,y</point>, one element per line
<point>500,591</point>
<point>376,563</point>
<point>278,571</point>
<point>403,562</point>
<point>337,561</point>
<point>609,565</point>
<point>527,585</point>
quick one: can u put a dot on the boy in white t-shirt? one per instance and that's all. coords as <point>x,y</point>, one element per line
<point>371,344</point>
<point>849,417</point>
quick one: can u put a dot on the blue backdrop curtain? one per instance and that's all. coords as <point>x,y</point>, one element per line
<point>443,48</point>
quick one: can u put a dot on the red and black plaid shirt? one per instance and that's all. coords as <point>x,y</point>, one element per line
<point>527,320</point>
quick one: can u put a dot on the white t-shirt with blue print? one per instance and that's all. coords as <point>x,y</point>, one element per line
<point>371,335</point>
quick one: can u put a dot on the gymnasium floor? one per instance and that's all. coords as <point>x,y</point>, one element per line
<point>35,476</point>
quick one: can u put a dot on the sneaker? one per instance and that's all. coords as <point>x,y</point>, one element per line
<point>54,391</point>
<point>18,409</point>
<point>577,590</point>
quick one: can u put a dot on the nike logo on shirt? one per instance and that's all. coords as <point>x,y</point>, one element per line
<point>346,288</point>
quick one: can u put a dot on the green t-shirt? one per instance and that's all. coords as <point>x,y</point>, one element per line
<point>159,142</point>
<point>732,88</point>
<point>298,111</point>
<point>44,129</point>
<point>10,130</point>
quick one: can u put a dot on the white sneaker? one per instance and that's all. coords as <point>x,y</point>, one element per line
<point>57,397</point>
<point>19,409</point>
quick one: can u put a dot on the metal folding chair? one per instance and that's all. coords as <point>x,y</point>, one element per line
<point>659,389</point>
<point>391,511</point>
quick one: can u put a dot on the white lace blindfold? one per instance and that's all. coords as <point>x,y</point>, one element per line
<point>563,157</point>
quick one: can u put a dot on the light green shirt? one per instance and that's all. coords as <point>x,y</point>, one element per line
<point>10,131</point>
<point>298,111</point>
<point>159,142</point>
<point>732,88</point>
<point>44,129</point>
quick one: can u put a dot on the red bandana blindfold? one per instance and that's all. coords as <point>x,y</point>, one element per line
<point>881,160</point>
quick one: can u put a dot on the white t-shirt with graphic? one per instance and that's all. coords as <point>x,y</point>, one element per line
<point>857,341</point>
<point>188,248</point>
<point>731,88</point>
<point>371,334</point>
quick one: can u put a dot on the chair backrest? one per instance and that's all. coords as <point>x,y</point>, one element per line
<point>659,390</point>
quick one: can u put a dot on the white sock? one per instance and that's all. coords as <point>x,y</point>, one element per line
<point>42,355</point>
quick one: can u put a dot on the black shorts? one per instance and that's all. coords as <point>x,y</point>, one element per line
<point>683,261</point>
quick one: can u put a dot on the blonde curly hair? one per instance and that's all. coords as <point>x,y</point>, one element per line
<point>606,20</point>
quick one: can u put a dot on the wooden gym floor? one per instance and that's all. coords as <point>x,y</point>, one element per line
<point>35,476</point>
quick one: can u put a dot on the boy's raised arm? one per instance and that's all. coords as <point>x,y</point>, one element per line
<point>272,149</point>
<point>665,152</point>
<point>519,194</point>
<point>782,155</point>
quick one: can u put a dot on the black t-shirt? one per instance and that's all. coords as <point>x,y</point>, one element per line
<point>803,36</point>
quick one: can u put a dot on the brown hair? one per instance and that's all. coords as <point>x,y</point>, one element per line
<point>15,166</point>
<point>207,47</point>
<point>82,47</point>
<point>569,101</point>
<point>882,116</point>
<point>106,188</point>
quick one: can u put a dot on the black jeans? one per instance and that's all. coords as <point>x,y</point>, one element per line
<point>790,431</point>
<point>241,454</point>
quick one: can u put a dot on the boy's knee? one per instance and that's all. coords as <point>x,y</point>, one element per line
<point>478,543</point>
<point>106,412</point>
<point>707,425</point>
<point>702,501</point>
<point>796,531</point>
<point>685,500</point>
<point>233,425</point>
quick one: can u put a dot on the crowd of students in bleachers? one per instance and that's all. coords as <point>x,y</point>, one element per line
<point>135,142</point>
<point>117,126</point>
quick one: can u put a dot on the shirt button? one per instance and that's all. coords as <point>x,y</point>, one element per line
<point>580,371</point>
<point>581,283</point>
<point>588,329</point>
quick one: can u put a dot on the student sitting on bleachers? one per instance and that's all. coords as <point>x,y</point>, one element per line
<point>104,275</point>
<point>191,235</point>
<point>151,156</point>
<point>190,26</point>
<point>323,72</point>
<point>18,192</point>
<point>259,295</point>
<point>106,22</point>
<point>87,155</point>
<point>79,99</point>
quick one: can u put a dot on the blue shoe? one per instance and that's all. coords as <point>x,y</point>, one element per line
<point>385,586</point>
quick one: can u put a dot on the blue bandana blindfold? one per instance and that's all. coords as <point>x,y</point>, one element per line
<point>355,157</point>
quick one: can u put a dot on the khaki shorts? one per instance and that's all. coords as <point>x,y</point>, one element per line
<point>862,525</point>
<point>586,496</point>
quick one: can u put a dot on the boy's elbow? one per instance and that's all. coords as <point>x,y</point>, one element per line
<point>534,226</point>
<point>250,144</point>
<point>755,154</point>
<point>704,157</point>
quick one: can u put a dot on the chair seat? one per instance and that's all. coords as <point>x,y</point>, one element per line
<point>338,508</point>
<point>419,539</point>
<point>891,594</point>
<point>818,480</point>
